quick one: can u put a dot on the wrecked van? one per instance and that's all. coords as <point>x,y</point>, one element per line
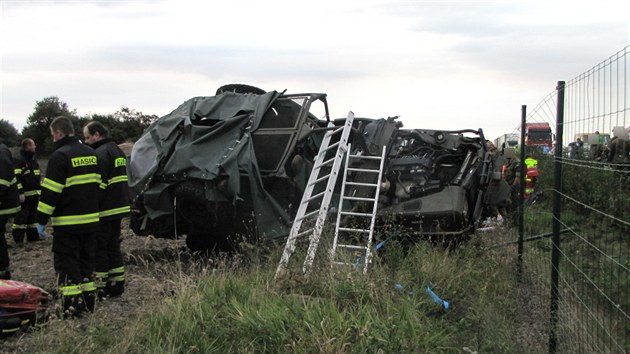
<point>233,167</point>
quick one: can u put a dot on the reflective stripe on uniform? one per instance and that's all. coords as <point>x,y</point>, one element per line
<point>88,287</point>
<point>19,226</point>
<point>45,208</point>
<point>32,193</point>
<point>83,179</point>
<point>10,211</point>
<point>115,211</point>
<point>52,185</point>
<point>7,183</point>
<point>118,179</point>
<point>74,219</point>
<point>117,274</point>
<point>70,290</point>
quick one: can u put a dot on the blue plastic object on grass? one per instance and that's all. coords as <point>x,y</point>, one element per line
<point>436,298</point>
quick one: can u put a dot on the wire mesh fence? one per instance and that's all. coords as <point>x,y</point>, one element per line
<point>583,268</point>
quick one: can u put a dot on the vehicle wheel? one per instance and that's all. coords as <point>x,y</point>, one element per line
<point>240,88</point>
<point>193,206</point>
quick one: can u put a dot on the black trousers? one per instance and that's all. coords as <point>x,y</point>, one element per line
<point>110,270</point>
<point>24,222</point>
<point>4,251</point>
<point>73,258</point>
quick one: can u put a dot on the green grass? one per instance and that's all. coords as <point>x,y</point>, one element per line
<point>238,307</point>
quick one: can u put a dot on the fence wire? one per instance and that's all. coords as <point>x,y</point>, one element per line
<point>593,310</point>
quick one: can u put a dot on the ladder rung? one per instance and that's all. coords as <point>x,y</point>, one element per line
<point>355,214</point>
<point>354,230</point>
<point>306,216</point>
<point>361,184</point>
<point>360,199</point>
<point>306,232</point>
<point>353,247</point>
<point>366,157</point>
<point>319,180</point>
<point>318,195</point>
<point>363,170</point>
<point>329,147</point>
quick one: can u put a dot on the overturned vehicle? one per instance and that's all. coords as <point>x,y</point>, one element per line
<point>233,167</point>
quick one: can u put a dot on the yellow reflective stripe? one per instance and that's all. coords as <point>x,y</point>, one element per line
<point>87,287</point>
<point>100,275</point>
<point>83,179</point>
<point>52,185</point>
<point>10,211</point>
<point>118,179</point>
<point>20,186</point>
<point>17,171</point>
<point>118,278</point>
<point>36,172</point>
<point>45,208</point>
<point>10,330</point>
<point>115,211</point>
<point>74,219</point>
<point>32,226</point>
<point>120,269</point>
<point>70,290</point>
<point>103,185</point>
<point>6,183</point>
<point>19,226</point>
<point>32,193</point>
<point>25,322</point>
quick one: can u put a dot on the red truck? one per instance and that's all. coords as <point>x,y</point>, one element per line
<point>538,134</point>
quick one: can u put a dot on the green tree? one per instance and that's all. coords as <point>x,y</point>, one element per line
<point>126,125</point>
<point>8,133</point>
<point>37,124</point>
<point>133,123</point>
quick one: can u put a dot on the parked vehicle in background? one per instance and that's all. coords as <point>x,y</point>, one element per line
<point>510,140</point>
<point>538,136</point>
<point>233,167</point>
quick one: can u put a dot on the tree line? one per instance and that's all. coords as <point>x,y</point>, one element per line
<point>125,125</point>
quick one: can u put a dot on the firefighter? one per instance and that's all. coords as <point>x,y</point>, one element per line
<point>9,205</point>
<point>114,205</point>
<point>70,200</point>
<point>28,177</point>
<point>531,176</point>
<point>498,192</point>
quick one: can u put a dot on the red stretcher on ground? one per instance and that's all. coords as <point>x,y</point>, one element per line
<point>21,304</point>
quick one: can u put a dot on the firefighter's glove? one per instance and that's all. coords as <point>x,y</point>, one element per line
<point>41,231</point>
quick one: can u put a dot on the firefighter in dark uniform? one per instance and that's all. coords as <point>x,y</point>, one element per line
<point>114,205</point>
<point>70,200</point>
<point>28,177</point>
<point>9,205</point>
<point>512,175</point>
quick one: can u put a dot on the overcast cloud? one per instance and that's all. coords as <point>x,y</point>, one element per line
<point>437,64</point>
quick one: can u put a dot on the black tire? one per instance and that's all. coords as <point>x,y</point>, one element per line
<point>240,88</point>
<point>208,222</point>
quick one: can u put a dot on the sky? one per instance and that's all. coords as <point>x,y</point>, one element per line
<point>436,64</point>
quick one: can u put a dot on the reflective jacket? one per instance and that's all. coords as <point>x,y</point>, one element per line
<point>114,187</point>
<point>27,174</point>
<point>70,190</point>
<point>532,167</point>
<point>9,195</point>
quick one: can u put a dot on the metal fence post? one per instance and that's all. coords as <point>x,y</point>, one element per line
<point>521,204</point>
<point>555,253</point>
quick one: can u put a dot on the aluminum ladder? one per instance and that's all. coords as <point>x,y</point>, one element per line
<point>354,230</point>
<point>313,210</point>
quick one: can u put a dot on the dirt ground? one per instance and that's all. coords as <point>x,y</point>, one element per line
<point>149,262</point>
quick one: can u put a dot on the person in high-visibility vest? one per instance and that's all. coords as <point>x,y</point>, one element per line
<point>9,204</point>
<point>531,175</point>
<point>70,200</point>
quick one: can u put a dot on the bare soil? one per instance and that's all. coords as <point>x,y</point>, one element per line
<point>149,268</point>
